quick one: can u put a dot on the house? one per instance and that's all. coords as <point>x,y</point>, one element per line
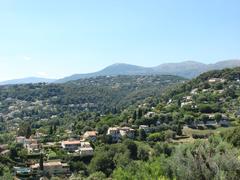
<point>127,131</point>
<point>216,80</point>
<point>85,149</point>
<point>145,128</point>
<point>20,139</point>
<point>85,144</point>
<point>33,148</point>
<point>186,103</point>
<point>117,132</point>
<point>187,98</point>
<point>51,168</point>
<point>194,91</point>
<point>27,142</point>
<point>114,132</point>
<point>31,145</point>
<point>90,135</point>
<point>71,146</point>
<point>150,114</point>
<point>205,90</point>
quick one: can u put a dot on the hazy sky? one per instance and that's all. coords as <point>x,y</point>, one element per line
<point>55,38</point>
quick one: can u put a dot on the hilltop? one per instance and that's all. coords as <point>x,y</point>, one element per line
<point>186,69</point>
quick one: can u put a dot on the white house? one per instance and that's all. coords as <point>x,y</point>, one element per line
<point>71,146</point>
<point>86,151</point>
<point>216,80</point>
<point>127,131</point>
<point>114,132</point>
<point>20,139</point>
<point>145,128</point>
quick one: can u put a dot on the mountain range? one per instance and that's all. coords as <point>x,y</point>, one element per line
<point>27,81</point>
<point>186,69</point>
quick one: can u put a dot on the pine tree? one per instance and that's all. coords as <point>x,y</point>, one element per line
<point>140,113</point>
<point>135,115</point>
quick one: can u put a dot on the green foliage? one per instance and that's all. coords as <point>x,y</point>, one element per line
<point>141,170</point>
<point>77,166</point>
<point>160,136</point>
<point>233,136</point>
<point>142,135</point>
<point>6,138</point>
<point>97,176</point>
<point>25,130</point>
<point>102,161</point>
<point>163,148</point>
<point>203,160</point>
<point>132,147</point>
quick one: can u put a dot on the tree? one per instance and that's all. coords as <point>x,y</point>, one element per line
<point>51,130</point>
<point>132,147</point>
<point>233,136</point>
<point>134,115</point>
<point>179,129</point>
<point>163,148</point>
<point>142,153</point>
<point>76,166</point>
<point>204,118</point>
<point>218,117</point>
<point>41,162</point>
<point>141,170</point>
<point>25,130</point>
<point>160,136</point>
<point>142,135</point>
<point>97,176</point>
<point>140,113</point>
<point>188,119</point>
<point>102,161</point>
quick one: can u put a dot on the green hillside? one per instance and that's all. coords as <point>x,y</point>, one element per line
<point>143,127</point>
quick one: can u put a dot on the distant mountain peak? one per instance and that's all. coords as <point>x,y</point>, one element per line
<point>186,69</point>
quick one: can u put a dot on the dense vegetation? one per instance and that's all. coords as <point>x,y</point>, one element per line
<point>192,127</point>
<point>101,94</point>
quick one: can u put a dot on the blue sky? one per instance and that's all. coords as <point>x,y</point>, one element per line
<point>55,38</point>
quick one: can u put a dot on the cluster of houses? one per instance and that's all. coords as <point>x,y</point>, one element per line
<point>40,169</point>
<point>78,147</point>
<point>82,146</point>
<point>32,145</point>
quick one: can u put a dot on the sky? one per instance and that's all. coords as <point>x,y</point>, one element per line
<point>57,38</point>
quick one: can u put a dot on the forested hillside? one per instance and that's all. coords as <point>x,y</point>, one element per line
<point>131,127</point>
<point>101,95</point>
